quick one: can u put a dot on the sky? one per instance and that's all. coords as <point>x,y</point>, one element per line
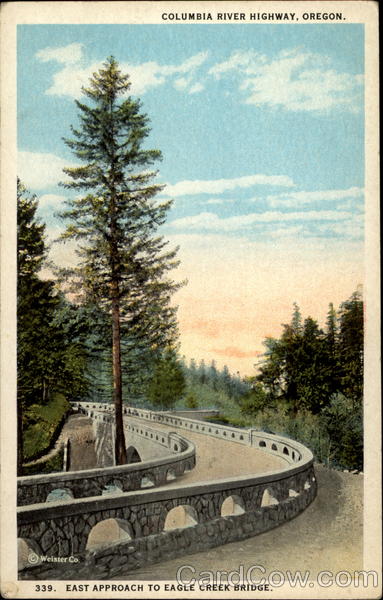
<point>262,134</point>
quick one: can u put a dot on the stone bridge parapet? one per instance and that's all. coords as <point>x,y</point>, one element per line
<point>62,529</point>
<point>94,482</point>
<point>148,522</point>
<point>291,451</point>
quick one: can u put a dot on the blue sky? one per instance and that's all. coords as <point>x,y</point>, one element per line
<point>262,134</point>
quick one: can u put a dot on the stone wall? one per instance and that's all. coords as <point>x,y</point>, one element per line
<point>63,528</point>
<point>93,482</point>
<point>215,512</point>
<point>121,557</point>
<point>198,414</point>
<point>291,451</point>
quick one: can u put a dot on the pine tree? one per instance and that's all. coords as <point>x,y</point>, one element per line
<point>123,265</point>
<point>168,383</point>
<point>331,328</point>
<point>202,377</point>
<point>30,254</point>
<point>350,347</point>
<point>296,321</point>
<point>50,353</point>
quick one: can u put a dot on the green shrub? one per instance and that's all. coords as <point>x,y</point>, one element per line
<point>52,465</point>
<point>42,425</point>
<point>344,422</point>
<point>191,401</point>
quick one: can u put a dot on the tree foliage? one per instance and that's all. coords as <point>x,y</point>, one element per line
<point>310,371</point>
<point>123,263</point>
<point>50,355</point>
<point>219,380</point>
<point>307,365</point>
<point>168,382</point>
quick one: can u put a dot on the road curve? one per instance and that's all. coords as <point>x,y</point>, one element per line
<point>218,459</point>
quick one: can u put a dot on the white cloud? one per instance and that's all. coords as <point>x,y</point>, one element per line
<point>294,79</point>
<point>293,231</point>
<point>211,221</point>
<point>238,60</point>
<point>67,55</point>
<point>291,199</point>
<point>351,204</point>
<point>38,170</point>
<point>352,229</point>
<point>181,83</point>
<point>185,84</point>
<point>69,80</point>
<point>196,88</point>
<point>216,186</point>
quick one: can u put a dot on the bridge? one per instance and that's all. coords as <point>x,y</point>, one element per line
<point>198,485</point>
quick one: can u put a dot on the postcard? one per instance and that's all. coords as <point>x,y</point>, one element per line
<point>190,357</point>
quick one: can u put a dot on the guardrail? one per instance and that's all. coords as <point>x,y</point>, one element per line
<point>94,482</point>
<point>215,512</point>
<point>291,451</point>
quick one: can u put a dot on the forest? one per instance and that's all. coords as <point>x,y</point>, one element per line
<point>308,384</point>
<point>106,329</point>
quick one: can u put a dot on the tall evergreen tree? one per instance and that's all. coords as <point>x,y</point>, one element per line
<point>331,329</point>
<point>50,353</point>
<point>123,264</point>
<point>30,254</point>
<point>168,382</point>
<point>296,321</point>
<point>350,347</point>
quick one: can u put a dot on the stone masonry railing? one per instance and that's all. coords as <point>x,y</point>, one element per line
<point>93,482</point>
<point>291,451</point>
<point>215,512</point>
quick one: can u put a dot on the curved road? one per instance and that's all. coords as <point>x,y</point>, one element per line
<point>216,458</point>
<point>326,536</point>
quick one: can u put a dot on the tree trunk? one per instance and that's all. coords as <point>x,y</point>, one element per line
<point>120,447</point>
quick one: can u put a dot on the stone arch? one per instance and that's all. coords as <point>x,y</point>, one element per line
<point>180,517</point>
<point>262,444</point>
<point>108,531</point>
<point>113,487</point>
<point>274,447</point>
<point>188,467</point>
<point>59,494</point>
<point>286,451</point>
<point>170,475</point>
<point>132,455</point>
<point>232,505</point>
<point>28,553</point>
<point>148,480</point>
<point>268,499</point>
